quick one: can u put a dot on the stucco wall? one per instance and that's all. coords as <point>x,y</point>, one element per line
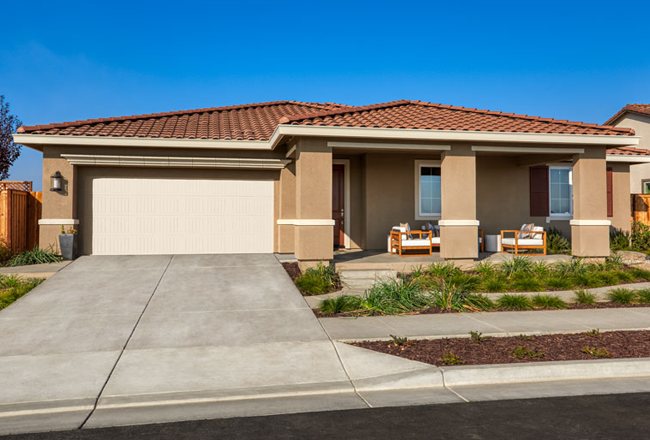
<point>641,126</point>
<point>621,196</point>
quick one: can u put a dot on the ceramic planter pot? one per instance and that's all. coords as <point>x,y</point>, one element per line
<point>68,245</point>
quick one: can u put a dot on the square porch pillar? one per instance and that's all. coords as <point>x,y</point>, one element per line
<point>314,227</point>
<point>458,225</point>
<point>590,227</point>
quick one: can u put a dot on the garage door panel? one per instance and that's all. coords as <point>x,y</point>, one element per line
<point>165,216</point>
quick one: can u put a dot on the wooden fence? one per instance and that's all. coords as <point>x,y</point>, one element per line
<point>641,208</point>
<point>20,212</point>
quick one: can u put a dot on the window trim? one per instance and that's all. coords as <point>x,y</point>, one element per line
<point>419,164</point>
<point>644,182</point>
<point>552,216</point>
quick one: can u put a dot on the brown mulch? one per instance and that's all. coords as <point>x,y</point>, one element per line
<point>492,350</point>
<point>293,270</point>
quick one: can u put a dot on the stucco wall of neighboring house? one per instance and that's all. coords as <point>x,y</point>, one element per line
<point>621,196</point>
<point>641,126</point>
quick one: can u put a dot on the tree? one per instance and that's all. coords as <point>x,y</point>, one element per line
<point>9,150</point>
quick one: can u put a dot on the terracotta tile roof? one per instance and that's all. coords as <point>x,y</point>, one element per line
<point>428,116</point>
<point>629,151</point>
<point>643,109</point>
<point>239,122</point>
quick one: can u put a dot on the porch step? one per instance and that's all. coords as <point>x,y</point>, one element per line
<point>364,279</point>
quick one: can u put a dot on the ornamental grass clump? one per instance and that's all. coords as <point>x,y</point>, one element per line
<point>584,297</point>
<point>516,265</point>
<point>35,256</point>
<point>477,301</point>
<point>622,296</point>
<point>548,302</point>
<point>318,280</point>
<point>394,296</point>
<point>341,304</point>
<point>514,302</point>
<point>13,287</point>
<point>643,296</point>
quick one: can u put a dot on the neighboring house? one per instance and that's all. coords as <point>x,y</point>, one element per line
<point>637,117</point>
<point>294,177</point>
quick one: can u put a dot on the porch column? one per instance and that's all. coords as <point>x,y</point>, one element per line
<point>314,227</point>
<point>590,227</point>
<point>285,198</point>
<point>458,225</point>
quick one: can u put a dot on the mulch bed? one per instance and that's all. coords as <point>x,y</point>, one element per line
<point>438,310</point>
<point>293,270</point>
<point>619,344</point>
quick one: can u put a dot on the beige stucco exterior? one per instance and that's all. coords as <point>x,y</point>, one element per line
<point>491,188</point>
<point>641,125</point>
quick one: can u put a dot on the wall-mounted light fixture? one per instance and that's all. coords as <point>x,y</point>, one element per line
<point>56,182</point>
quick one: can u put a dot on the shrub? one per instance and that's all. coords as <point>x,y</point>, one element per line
<point>594,333</point>
<point>400,341</point>
<point>596,352</point>
<point>444,270</point>
<point>614,261</point>
<point>341,304</point>
<point>13,287</point>
<point>517,265</point>
<point>640,274</point>
<point>527,284</point>
<point>522,352</point>
<point>479,302</point>
<point>643,296</point>
<point>540,269</point>
<point>5,252</point>
<point>484,268</point>
<point>623,276</point>
<point>640,237</point>
<point>584,297</point>
<point>514,302</point>
<point>393,297</point>
<point>556,243</point>
<point>450,358</point>
<point>621,296</point>
<point>449,296</point>
<point>619,240</point>
<point>558,282</point>
<point>548,302</point>
<point>476,337</point>
<point>318,280</point>
<point>575,266</point>
<point>466,281</point>
<point>496,282</point>
<point>35,256</point>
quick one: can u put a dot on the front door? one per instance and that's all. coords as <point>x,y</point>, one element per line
<point>338,204</point>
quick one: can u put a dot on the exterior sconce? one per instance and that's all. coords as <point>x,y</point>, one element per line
<point>56,182</point>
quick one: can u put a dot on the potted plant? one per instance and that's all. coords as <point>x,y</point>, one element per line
<point>68,243</point>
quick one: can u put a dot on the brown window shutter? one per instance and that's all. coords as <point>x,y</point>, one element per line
<point>610,192</point>
<point>539,191</point>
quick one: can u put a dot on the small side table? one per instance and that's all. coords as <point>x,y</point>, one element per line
<point>493,243</point>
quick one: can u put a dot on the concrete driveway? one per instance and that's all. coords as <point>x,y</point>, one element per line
<point>125,340</point>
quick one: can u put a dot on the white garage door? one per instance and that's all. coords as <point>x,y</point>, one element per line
<point>174,216</point>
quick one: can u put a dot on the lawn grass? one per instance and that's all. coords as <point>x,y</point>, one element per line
<point>13,287</point>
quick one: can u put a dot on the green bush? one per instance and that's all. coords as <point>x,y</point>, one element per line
<point>643,296</point>
<point>445,270</point>
<point>558,282</point>
<point>393,297</point>
<point>548,302</point>
<point>640,237</point>
<point>584,297</point>
<point>527,284</point>
<point>496,282</point>
<point>556,243</point>
<point>640,274</point>
<point>318,280</point>
<point>514,302</point>
<point>479,302</point>
<point>619,240</point>
<point>35,256</point>
<point>13,287</point>
<point>344,303</point>
<point>517,265</point>
<point>621,296</point>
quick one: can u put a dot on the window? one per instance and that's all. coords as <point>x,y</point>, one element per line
<point>428,200</point>
<point>561,191</point>
<point>646,187</point>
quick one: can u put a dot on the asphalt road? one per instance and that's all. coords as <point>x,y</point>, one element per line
<point>621,416</point>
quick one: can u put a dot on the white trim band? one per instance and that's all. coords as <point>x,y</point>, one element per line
<point>307,222</point>
<point>238,163</point>
<point>58,221</point>
<point>458,222</point>
<point>627,158</point>
<point>529,150</point>
<point>590,223</point>
<point>378,146</point>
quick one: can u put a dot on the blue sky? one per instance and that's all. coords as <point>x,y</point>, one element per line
<point>70,60</point>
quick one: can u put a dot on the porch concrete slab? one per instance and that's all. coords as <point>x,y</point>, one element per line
<point>534,390</point>
<point>224,370</point>
<point>42,335</point>
<point>225,328</point>
<point>187,289</point>
<point>356,328</point>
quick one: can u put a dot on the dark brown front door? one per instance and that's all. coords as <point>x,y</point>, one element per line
<point>338,204</point>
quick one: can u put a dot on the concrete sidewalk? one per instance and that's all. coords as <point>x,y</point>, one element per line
<point>450,325</point>
<point>35,270</point>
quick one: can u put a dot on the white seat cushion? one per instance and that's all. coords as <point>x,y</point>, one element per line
<point>435,240</point>
<point>537,236</point>
<point>399,229</point>
<point>416,242</point>
<point>523,242</point>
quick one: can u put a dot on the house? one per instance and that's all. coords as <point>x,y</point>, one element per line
<point>637,117</point>
<point>304,178</point>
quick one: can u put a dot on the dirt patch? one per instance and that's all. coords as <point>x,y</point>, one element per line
<point>609,345</point>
